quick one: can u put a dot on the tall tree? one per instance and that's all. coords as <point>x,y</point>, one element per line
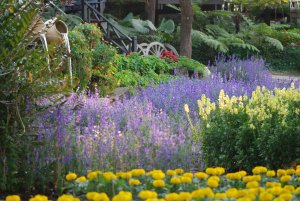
<point>150,8</point>
<point>266,5</point>
<point>186,28</point>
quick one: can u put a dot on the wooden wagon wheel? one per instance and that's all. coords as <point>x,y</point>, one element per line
<point>155,48</point>
<point>141,48</point>
<point>169,47</point>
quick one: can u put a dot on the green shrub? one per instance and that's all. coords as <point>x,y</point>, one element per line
<point>81,58</point>
<point>143,65</point>
<point>287,60</point>
<point>92,33</point>
<point>241,133</point>
<point>128,78</point>
<point>104,69</point>
<point>191,65</point>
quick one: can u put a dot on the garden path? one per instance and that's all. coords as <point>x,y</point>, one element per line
<point>286,77</point>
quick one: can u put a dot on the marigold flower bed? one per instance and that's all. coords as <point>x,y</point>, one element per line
<point>177,185</point>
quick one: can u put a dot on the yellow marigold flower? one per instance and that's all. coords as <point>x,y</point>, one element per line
<point>92,175</point>
<point>184,179</point>
<point>91,195</point>
<point>71,176</point>
<point>188,174</point>
<point>179,171</point>
<point>203,193</point>
<point>220,196</point>
<point>158,183</point>
<point>171,172</point>
<point>13,198</point>
<point>212,183</point>
<point>201,175</point>
<point>175,180</point>
<point>271,173</point>
<point>155,199</point>
<point>67,198</point>
<point>275,190</point>
<point>134,182</point>
<point>234,176</point>
<point>256,178</point>
<point>211,171</point>
<point>158,174</point>
<point>172,197</point>
<point>285,178</point>
<point>281,172</point>
<point>126,175</point>
<point>247,179</point>
<point>265,196</point>
<point>242,193</point>
<point>259,170</point>
<point>298,171</point>
<point>244,199</point>
<point>95,196</point>
<point>186,108</point>
<point>81,179</point>
<point>252,184</point>
<point>147,194</point>
<point>232,193</point>
<point>289,188</point>
<point>123,196</point>
<point>216,178</point>
<point>109,176</point>
<point>290,171</point>
<point>39,198</point>
<point>242,173</point>
<point>138,172</point>
<point>220,170</point>
<point>286,196</point>
<point>185,196</point>
<point>297,191</point>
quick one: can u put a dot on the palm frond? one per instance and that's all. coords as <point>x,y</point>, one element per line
<point>216,30</point>
<point>246,46</point>
<point>248,21</point>
<point>274,42</point>
<point>200,37</point>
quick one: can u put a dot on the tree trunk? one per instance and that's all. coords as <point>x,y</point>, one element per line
<point>267,16</point>
<point>186,28</point>
<point>150,8</point>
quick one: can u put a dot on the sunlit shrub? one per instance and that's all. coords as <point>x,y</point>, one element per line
<point>241,132</point>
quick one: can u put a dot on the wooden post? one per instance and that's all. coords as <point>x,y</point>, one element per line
<point>134,44</point>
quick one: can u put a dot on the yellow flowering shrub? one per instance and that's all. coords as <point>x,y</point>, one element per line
<point>242,132</point>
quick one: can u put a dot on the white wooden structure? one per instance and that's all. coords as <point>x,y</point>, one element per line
<point>295,10</point>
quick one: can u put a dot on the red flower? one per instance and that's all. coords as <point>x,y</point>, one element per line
<point>168,56</point>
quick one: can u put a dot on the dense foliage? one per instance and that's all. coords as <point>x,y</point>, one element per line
<point>242,132</point>
<point>25,76</point>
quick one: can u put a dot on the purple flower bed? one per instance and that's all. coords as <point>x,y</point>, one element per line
<point>120,136</point>
<point>149,130</point>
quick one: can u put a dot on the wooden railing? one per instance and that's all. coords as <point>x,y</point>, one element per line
<point>91,12</point>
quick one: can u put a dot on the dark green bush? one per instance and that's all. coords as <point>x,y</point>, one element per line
<point>286,60</point>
